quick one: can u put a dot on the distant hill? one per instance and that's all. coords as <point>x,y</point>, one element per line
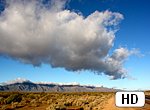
<point>28,86</point>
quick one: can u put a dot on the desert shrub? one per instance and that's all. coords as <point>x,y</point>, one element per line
<point>33,101</point>
<point>4,95</point>
<point>49,101</point>
<point>44,102</point>
<point>22,103</point>
<point>4,107</point>
<point>60,108</point>
<point>13,98</point>
<point>14,105</point>
<point>68,104</point>
<point>1,100</point>
<point>31,96</point>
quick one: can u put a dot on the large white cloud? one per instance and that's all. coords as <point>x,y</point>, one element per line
<point>34,35</point>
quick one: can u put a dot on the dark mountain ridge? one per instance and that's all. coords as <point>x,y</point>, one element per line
<point>27,86</point>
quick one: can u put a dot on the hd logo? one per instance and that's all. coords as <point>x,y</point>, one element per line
<point>130,99</point>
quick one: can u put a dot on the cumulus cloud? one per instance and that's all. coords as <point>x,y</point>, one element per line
<point>35,34</point>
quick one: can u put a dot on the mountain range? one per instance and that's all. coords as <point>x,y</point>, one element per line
<point>28,86</point>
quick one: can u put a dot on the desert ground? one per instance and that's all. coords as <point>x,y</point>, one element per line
<point>62,101</point>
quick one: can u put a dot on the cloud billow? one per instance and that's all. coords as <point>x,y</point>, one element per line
<point>33,34</point>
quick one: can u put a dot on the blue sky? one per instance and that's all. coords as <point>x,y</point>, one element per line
<point>134,32</point>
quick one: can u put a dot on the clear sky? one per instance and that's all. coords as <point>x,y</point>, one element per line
<point>133,33</point>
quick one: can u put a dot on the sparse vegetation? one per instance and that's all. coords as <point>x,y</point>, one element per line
<point>54,101</point>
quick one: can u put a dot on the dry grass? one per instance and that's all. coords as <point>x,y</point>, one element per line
<point>55,101</point>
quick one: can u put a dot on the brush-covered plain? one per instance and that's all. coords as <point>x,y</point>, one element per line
<point>60,101</point>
